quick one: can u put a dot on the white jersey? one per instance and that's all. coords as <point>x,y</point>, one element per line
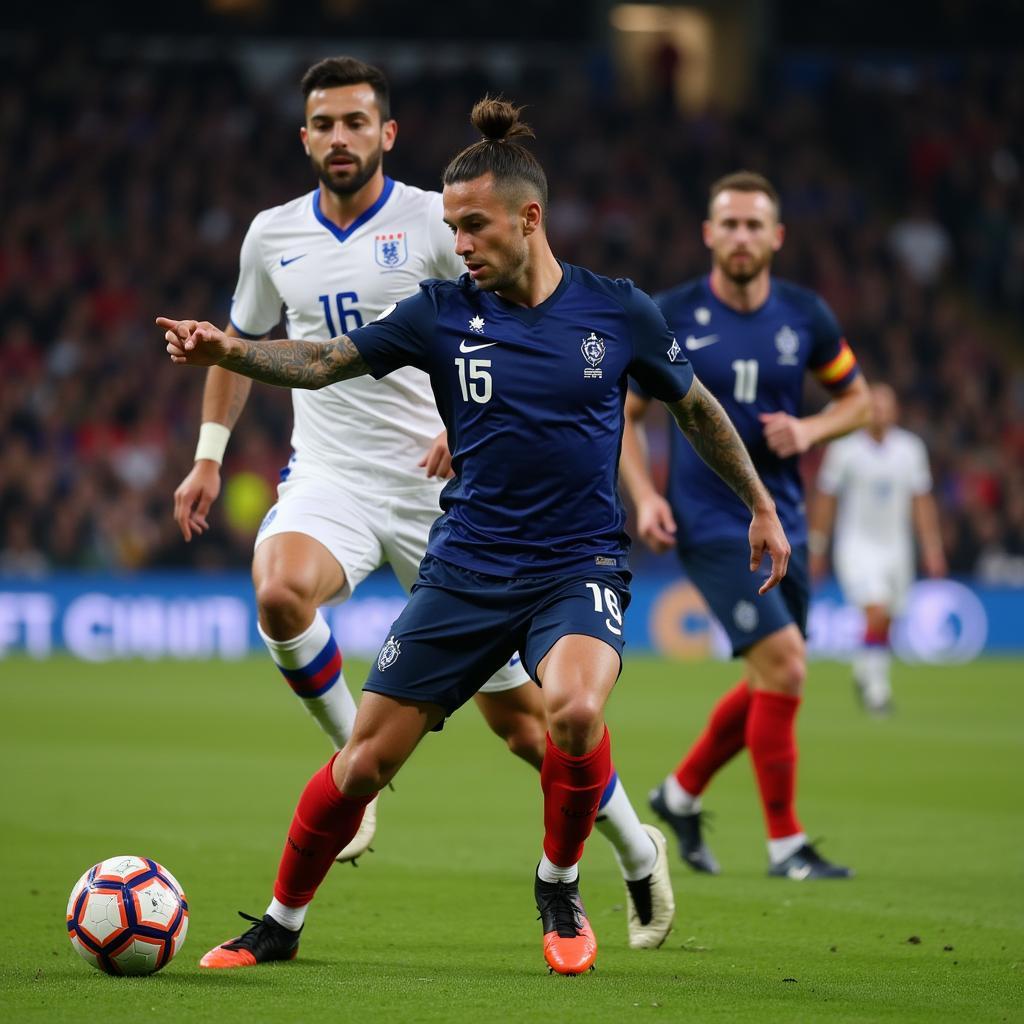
<point>875,483</point>
<point>329,282</point>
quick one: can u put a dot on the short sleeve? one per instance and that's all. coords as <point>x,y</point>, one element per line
<point>920,471</point>
<point>831,359</point>
<point>400,336</point>
<point>830,475</point>
<point>659,365</point>
<point>256,305</point>
<point>444,264</point>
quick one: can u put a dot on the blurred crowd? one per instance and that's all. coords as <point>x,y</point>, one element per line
<point>128,183</point>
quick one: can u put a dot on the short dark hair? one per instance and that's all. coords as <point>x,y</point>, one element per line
<point>496,153</point>
<point>745,181</point>
<point>334,71</point>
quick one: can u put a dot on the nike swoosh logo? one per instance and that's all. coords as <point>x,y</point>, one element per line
<point>463,347</point>
<point>284,262</point>
<point>800,873</point>
<point>693,343</point>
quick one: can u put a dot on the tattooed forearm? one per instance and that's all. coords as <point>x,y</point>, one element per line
<point>297,364</point>
<point>707,427</point>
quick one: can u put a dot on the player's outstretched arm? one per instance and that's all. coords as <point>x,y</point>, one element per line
<point>287,363</point>
<point>707,427</point>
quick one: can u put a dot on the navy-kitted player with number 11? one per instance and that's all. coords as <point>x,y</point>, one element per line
<point>528,359</point>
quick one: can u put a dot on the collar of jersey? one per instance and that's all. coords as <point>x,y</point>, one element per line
<point>530,315</point>
<point>368,214</point>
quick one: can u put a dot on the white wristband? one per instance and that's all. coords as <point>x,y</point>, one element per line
<point>213,440</point>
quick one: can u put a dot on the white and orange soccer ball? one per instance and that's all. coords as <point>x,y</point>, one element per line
<point>127,915</point>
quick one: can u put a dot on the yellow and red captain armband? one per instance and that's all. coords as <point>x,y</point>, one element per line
<point>839,371</point>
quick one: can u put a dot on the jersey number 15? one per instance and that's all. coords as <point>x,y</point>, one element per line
<point>476,383</point>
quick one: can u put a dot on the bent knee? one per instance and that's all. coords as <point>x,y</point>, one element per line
<point>363,770</point>
<point>285,606</point>
<point>574,723</point>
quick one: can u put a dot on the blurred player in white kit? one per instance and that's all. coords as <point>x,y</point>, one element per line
<point>369,457</point>
<point>875,486</point>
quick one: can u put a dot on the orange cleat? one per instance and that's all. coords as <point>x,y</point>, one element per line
<point>569,943</point>
<point>264,941</point>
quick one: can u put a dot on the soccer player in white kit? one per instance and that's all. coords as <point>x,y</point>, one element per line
<point>875,485</point>
<point>370,457</point>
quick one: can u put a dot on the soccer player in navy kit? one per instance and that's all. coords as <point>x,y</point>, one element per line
<point>751,338</point>
<point>528,358</point>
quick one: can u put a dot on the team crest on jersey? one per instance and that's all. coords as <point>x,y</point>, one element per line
<point>702,315</point>
<point>391,250</point>
<point>787,341</point>
<point>593,351</point>
<point>476,324</point>
<point>389,653</point>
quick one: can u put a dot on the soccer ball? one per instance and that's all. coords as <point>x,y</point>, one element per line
<point>127,915</point>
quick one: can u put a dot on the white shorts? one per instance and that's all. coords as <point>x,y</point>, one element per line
<point>363,535</point>
<point>874,576</point>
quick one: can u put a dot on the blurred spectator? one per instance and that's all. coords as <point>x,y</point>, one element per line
<point>902,197</point>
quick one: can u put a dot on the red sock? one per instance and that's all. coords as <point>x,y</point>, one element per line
<point>722,739</point>
<point>771,737</point>
<point>572,795</point>
<point>325,820</point>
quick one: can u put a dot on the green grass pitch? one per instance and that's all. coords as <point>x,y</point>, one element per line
<point>199,764</point>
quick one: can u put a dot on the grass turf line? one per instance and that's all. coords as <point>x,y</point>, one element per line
<point>199,764</point>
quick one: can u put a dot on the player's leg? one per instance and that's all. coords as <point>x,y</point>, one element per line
<point>315,547</point>
<point>577,674</point>
<point>293,575</point>
<point>516,715</point>
<point>872,662</point>
<point>777,665</point>
<point>573,645</point>
<point>867,576</point>
<point>329,811</point>
<point>721,574</point>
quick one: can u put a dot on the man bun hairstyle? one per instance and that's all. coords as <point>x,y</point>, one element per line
<point>335,71</point>
<point>745,181</point>
<point>497,153</point>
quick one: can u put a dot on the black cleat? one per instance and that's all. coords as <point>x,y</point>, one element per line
<point>806,863</point>
<point>265,940</point>
<point>687,830</point>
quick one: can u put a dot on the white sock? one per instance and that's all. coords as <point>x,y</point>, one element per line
<point>288,917</point>
<point>871,670</point>
<point>679,800</point>
<point>305,661</point>
<point>547,871</point>
<point>618,823</point>
<point>780,849</point>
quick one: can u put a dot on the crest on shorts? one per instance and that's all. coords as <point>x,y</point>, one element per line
<point>745,616</point>
<point>593,350</point>
<point>389,653</point>
<point>674,351</point>
<point>787,341</point>
<point>391,250</point>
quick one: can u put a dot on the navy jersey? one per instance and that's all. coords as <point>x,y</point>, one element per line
<point>752,363</point>
<point>532,401</point>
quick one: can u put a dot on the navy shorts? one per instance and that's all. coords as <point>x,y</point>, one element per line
<point>720,570</point>
<point>461,626</point>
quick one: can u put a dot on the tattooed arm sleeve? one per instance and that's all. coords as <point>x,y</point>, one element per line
<point>296,364</point>
<point>707,427</point>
